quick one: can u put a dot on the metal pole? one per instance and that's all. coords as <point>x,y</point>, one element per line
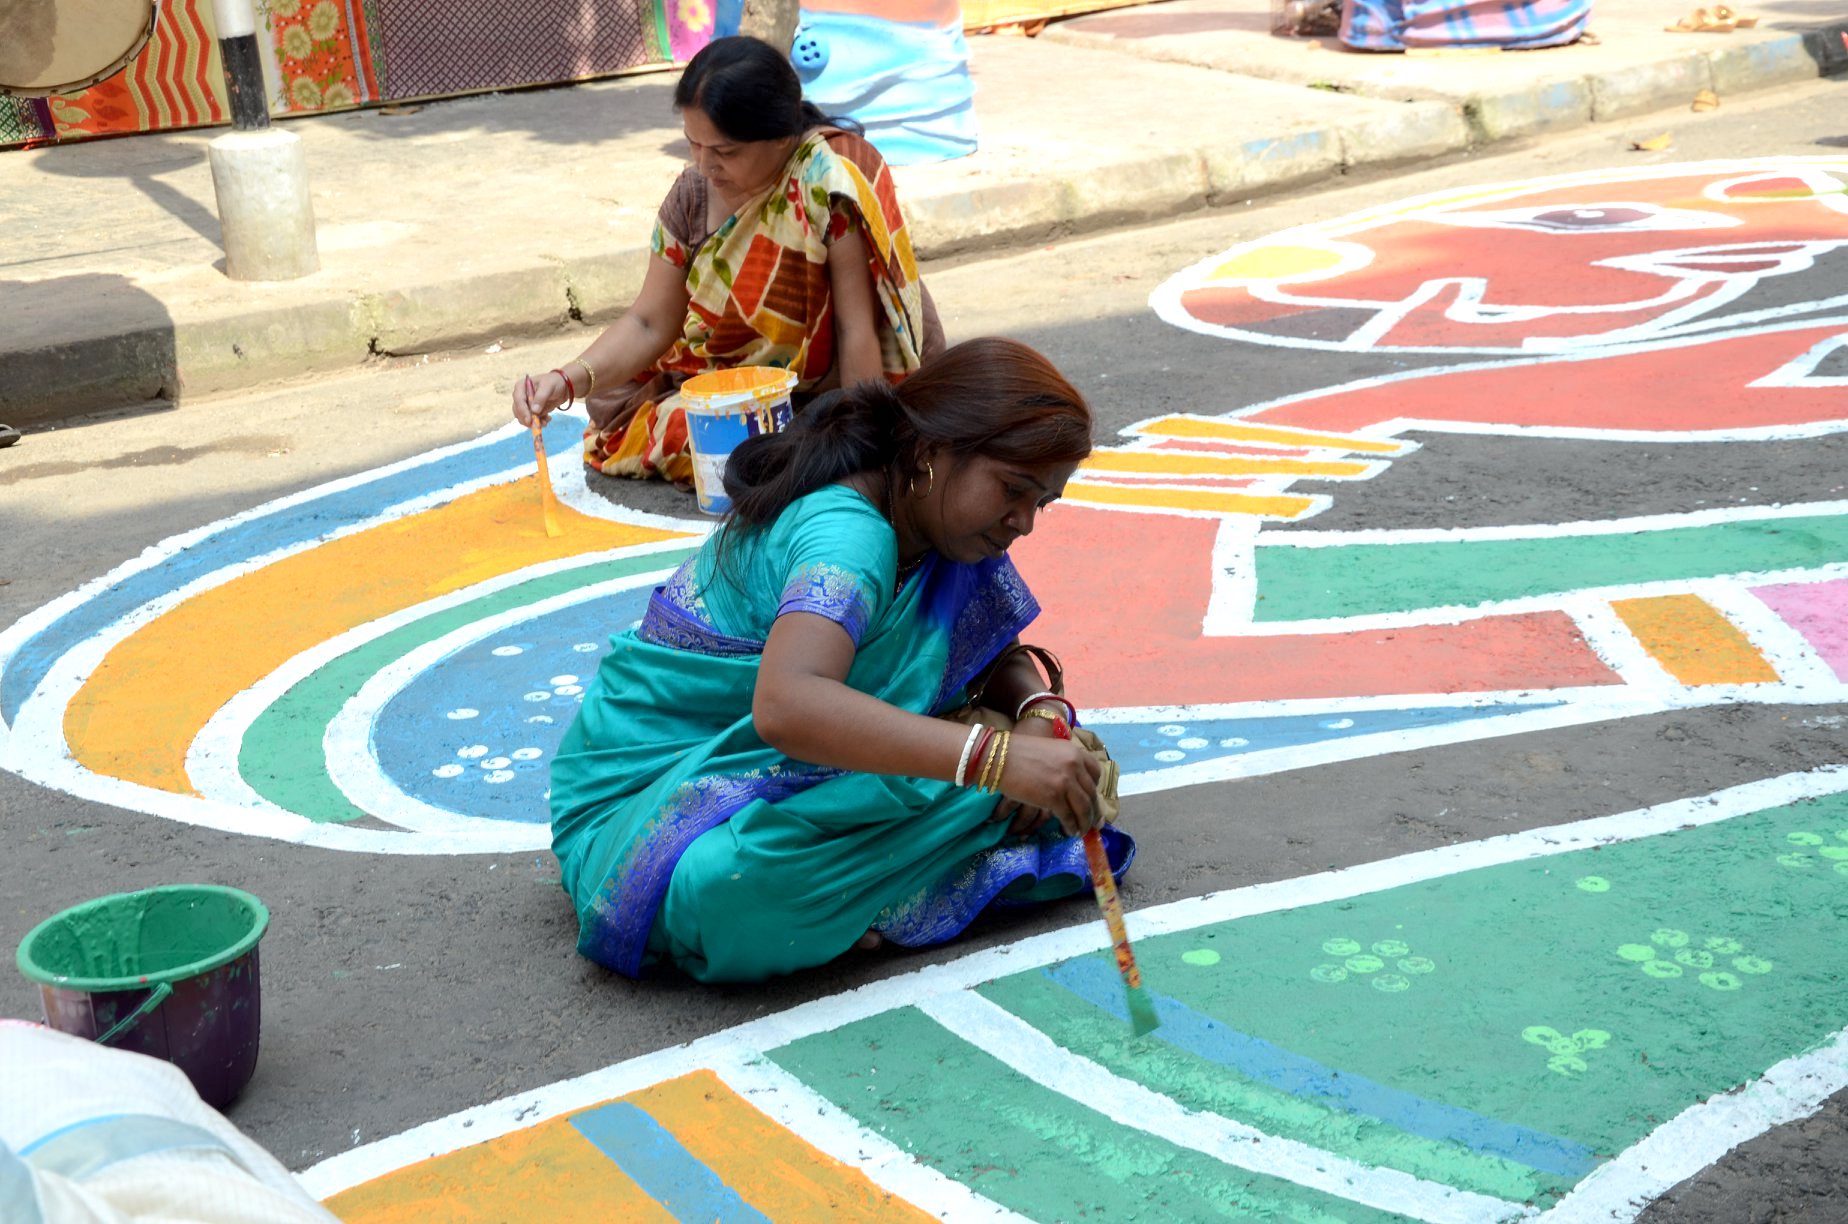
<point>237,47</point>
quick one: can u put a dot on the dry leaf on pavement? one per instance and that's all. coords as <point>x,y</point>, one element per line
<point>1655,144</point>
<point>1706,100</point>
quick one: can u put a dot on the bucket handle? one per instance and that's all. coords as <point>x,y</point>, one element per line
<point>155,998</point>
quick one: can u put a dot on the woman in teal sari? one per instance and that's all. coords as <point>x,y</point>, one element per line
<point>758,779</point>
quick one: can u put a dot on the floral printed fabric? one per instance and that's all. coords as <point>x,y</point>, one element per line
<point>322,54</point>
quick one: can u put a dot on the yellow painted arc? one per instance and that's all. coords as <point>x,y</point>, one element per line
<point>1207,463</point>
<point>1693,640</point>
<point>769,1167</point>
<point>1274,435</point>
<point>140,710</point>
<point>1195,497</point>
<point>1277,261</point>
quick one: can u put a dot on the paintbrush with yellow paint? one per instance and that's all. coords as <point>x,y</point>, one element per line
<point>548,500</point>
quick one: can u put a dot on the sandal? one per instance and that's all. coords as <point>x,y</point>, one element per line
<point>8,436</point>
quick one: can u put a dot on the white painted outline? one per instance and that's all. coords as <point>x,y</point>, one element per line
<point>1634,1176</point>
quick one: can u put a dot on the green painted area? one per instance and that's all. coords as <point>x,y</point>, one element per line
<point>1590,1015</point>
<point>1210,1088</point>
<point>273,759</point>
<point>974,1119</point>
<point>1365,579</point>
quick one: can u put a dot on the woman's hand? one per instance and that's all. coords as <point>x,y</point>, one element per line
<point>535,399</point>
<point>1025,819</point>
<point>1054,776</point>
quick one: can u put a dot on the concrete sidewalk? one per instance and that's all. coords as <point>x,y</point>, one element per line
<point>477,220</point>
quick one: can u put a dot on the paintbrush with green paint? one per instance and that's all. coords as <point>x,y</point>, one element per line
<point>1142,1018</point>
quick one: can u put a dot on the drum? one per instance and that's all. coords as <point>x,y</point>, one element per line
<point>62,46</point>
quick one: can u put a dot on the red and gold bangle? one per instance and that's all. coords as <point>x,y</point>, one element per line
<point>1063,727</point>
<point>1071,711</point>
<point>570,389</point>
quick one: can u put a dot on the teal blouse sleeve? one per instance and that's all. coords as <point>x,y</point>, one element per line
<point>836,557</point>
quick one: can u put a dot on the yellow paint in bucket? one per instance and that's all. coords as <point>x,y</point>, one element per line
<point>723,409</point>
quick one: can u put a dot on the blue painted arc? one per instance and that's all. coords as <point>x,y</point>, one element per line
<point>1095,980</point>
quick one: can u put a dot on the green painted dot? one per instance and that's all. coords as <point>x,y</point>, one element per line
<point>1567,1064</point>
<point>1752,964</point>
<point>1542,1035</point>
<point>1720,981</point>
<point>1693,958</point>
<point>1365,964</point>
<point>1391,983</point>
<point>1794,860</point>
<point>1636,952</point>
<point>1592,1039</point>
<point>1662,969</point>
<point>1841,835</point>
<point>1341,947</point>
<point>1392,947</point>
<point>1417,964</point>
<point>1668,937</point>
<point>1720,945</point>
<point>1593,884</point>
<point>1803,839</point>
<point>1835,854</point>
<point>1328,973</point>
<point>1201,956</point>
<point>1841,869</point>
<point>1561,1044</point>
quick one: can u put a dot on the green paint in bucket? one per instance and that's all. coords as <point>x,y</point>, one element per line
<point>170,972</point>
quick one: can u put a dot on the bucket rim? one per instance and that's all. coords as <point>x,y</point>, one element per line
<point>260,917</point>
<point>765,383</point>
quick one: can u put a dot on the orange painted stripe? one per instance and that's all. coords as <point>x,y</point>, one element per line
<point>1196,497</point>
<point>768,1166</point>
<point>144,704</point>
<point>546,1172</point>
<point>1245,431</point>
<point>1186,463</point>
<point>1693,642</point>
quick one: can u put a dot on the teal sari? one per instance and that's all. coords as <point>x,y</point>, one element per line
<point>682,837</point>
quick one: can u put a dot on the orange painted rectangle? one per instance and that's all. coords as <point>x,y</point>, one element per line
<point>1693,642</point>
<point>545,1172</point>
<point>769,1167</point>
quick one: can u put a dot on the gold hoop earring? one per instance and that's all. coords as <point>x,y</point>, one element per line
<point>930,482</point>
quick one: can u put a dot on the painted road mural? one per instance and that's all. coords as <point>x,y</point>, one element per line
<point>385,664</point>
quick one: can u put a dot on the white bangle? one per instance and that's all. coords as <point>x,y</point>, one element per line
<point>1071,711</point>
<point>962,763</point>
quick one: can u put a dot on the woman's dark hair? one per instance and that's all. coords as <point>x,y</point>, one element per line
<point>992,397</point>
<point>749,91</point>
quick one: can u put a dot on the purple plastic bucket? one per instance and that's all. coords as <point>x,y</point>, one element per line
<point>170,972</point>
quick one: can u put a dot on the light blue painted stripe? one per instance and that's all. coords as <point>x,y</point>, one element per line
<point>1095,980</point>
<point>281,528</point>
<point>667,1173</point>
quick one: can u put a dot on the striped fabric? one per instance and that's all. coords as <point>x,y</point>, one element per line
<point>1395,25</point>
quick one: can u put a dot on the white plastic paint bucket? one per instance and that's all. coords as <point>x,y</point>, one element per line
<point>723,409</point>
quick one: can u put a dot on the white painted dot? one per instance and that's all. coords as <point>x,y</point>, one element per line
<point>507,652</point>
<point>447,771</point>
<point>538,696</point>
<point>1171,730</point>
<point>464,712</point>
<point>558,680</point>
<point>472,751</point>
<point>1169,754</point>
<point>585,647</point>
<point>1338,724</point>
<point>569,690</point>
<point>527,754</point>
<point>1192,741</point>
<point>540,718</point>
<point>1233,741</point>
<point>499,776</point>
<point>495,763</point>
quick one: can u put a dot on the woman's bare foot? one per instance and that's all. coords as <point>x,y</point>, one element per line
<point>872,939</point>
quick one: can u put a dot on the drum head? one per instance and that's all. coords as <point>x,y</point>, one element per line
<point>61,46</point>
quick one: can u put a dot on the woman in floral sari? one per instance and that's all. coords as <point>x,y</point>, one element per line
<point>757,780</point>
<point>782,245</point>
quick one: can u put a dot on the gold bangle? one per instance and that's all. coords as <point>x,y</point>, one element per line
<point>1001,765</point>
<point>1049,715</point>
<point>988,761</point>
<point>589,374</point>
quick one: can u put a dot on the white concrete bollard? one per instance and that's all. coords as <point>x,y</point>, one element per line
<point>261,179</point>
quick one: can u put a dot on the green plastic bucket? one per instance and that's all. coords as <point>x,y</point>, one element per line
<point>169,972</point>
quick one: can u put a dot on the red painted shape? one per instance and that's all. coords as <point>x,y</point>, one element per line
<point>1701,387</point>
<point>1125,594</point>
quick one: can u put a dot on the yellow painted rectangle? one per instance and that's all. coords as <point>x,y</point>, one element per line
<point>548,1172</point>
<point>1197,497</point>
<point>1241,431</point>
<point>1693,642</point>
<point>1205,463</point>
<point>769,1167</point>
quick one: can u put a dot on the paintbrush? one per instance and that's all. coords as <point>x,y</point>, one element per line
<point>1142,1018</point>
<point>548,500</point>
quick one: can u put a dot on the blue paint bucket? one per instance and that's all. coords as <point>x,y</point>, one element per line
<point>723,409</point>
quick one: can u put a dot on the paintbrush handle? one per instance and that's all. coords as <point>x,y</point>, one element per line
<point>1103,880</point>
